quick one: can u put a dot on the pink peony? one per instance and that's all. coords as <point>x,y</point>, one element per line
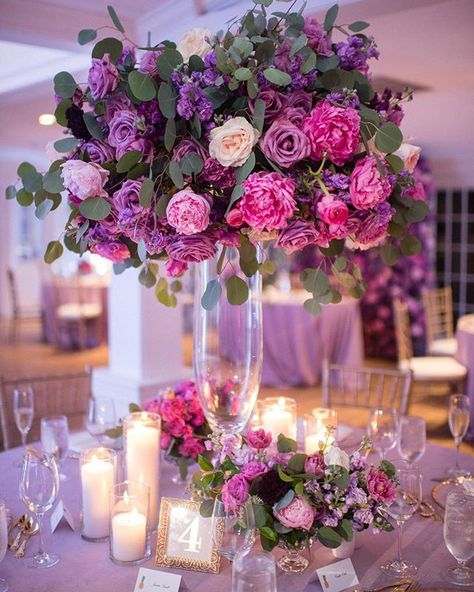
<point>297,235</point>
<point>84,179</point>
<point>254,469</point>
<point>175,268</point>
<point>332,211</point>
<point>165,440</point>
<point>315,464</point>
<point>176,427</point>
<point>113,250</point>
<point>333,130</point>
<point>172,408</point>
<point>191,447</point>
<point>103,77</point>
<point>379,486</point>
<point>368,188</point>
<point>234,218</point>
<point>297,514</point>
<point>188,212</point>
<point>258,439</point>
<point>268,201</point>
<point>234,492</point>
<point>284,143</point>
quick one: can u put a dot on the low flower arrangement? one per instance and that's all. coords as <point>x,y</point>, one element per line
<point>297,498</point>
<point>270,130</point>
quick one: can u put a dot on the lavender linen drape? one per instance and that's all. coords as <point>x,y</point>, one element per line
<point>465,355</point>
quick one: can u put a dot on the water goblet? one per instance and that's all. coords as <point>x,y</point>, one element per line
<point>412,438</point>
<point>55,439</point>
<point>3,540</point>
<point>39,487</point>
<point>407,499</point>
<point>23,410</point>
<point>233,531</point>
<point>382,429</point>
<point>100,417</point>
<point>459,416</point>
<point>459,536</point>
<point>254,573</point>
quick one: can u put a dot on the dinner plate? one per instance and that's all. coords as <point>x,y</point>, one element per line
<point>440,491</point>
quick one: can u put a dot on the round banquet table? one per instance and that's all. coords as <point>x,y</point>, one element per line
<point>295,343</point>
<point>465,355</point>
<point>86,567</point>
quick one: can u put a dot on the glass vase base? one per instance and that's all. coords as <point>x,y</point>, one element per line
<point>292,563</point>
<point>41,561</point>
<point>178,480</point>
<point>398,567</point>
<point>458,472</point>
<point>462,576</point>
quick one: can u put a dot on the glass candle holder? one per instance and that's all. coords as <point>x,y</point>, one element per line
<point>129,540</point>
<point>316,429</point>
<point>141,433</point>
<point>255,421</point>
<point>278,415</point>
<point>98,475</point>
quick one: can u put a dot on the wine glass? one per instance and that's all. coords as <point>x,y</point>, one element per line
<point>100,417</point>
<point>459,416</point>
<point>407,499</point>
<point>39,487</point>
<point>55,439</point>
<point>459,536</point>
<point>412,438</point>
<point>3,540</point>
<point>233,531</point>
<point>23,410</point>
<point>382,429</point>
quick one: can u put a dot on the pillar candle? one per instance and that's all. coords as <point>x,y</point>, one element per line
<point>129,536</point>
<point>97,477</point>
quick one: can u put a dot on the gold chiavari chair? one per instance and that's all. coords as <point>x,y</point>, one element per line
<point>438,308</point>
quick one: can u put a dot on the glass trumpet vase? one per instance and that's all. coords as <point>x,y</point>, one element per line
<point>227,345</point>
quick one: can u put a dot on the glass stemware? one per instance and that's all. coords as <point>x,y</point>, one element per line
<point>459,536</point>
<point>55,439</point>
<point>233,531</point>
<point>100,417</point>
<point>407,500</point>
<point>252,573</point>
<point>23,410</point>
<point>382,429</point>
<point>459,416</point>
<point>412,438</point>
<point>3,540</point>
<point>39,487</point>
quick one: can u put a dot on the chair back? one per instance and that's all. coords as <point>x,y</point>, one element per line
<point>402,331</point>
<point>365,388</point>
<point>438,307</point>
<point>12,289</point>
<point>62,394</point>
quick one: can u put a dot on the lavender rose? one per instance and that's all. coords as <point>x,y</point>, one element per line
<point>192,249</point>
<point>188,146</point>
<point>122,130</point>
<point>103,77</point>
<point>300,99</point>
<point>254,469</point>
<point>297,514</point>
<point>284,143</point>
<point>148,63</point>
<point>99,151</point>
<point>234,493</point>
<point>295,114</point>
<point>368,188</point>
<point>297,235</point>
<point>274,101</point>
<point>188,212</point>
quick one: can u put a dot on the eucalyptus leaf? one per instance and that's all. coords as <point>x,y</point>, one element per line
<point>326,63</point>
<point>167,100</point>
<point>390,254</point>
<point>95,208</point>
<point>142,86</point>
<point>267,267</point>
<point>242,172</point>
<point>237,193</point>
<point>388,138</point>
<point>297,462</point>
<point>93,126</point>
<point>43,209</point>
<point>54,250</point>
<point>211,295</point>
<point>162,204</point>
<point>109,45</point>
<point>191,164</point>
<point>417,212</point>
<point>167,62</point>
<point>32,181</point>
<point>330,18</point>
<point>206,508</point>
<point>175,174</point>
<point>277,77</point>
<point>24,197</point>
<point>146,193</point>
<point>410,245</point>
<point>66,144</point>
<point>298,44</point>
<point>395,163</point>
<point>86,35</point>
<point>64,85</point>
<point>259,115</point>
<point>10,192</point>
<point>285,444</point>
<point>316,281</point>
<point>60,112</point>
<point>358,26</point>
<point>237,290</point>
<point>243,74</point>
<point>196,64</point>
<point>115,18</point>
<point>309,64</point>
<point>53,182</point>
<point>128,160</point>
<point>312,306</point>
<point>285,500</point>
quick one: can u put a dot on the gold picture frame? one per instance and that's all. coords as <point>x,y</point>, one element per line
<point>184,539</point>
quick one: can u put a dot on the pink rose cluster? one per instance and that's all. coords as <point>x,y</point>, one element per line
<point>380,487</point>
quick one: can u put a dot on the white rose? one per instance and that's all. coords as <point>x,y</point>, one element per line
<point>232,143</point>
<point>410,154</point>
<point>194,43</point>
<point>336,456</point>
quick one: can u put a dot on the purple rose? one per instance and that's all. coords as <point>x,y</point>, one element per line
<point>188,146</point>
<point>297,514</point>
<point>216,174</point>
<point>254,469</point>
<point>103,77</point>
<point>318,39</point>
<point>148,63</point>
<point>119,102</point>
<point>141,144</point>
<point>234,493</point>
<point>300,99</point>
<point>295,114</point>
<point>368,187</point>
<point>127,205</point>
<point>127,57</point>
<point>274,101</point>
<point>114,250</point>
<point>122,130</point>
<point>297,235</point>
<point>99,151</point>
<point>192,249</point>
<point>284,143</point>
<point>315,464</point>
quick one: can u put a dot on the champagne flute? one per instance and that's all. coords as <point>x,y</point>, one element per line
<point>407,499</point>
<point>459,536</point>
<point>382,429</point>
<point>100,417</point>
<point>459,416</point>
<point>3,540</point>
<point>55,439</point>
<point>233,530</point>
<point>23,410</point>
<point>412,438</point>
<point>39,487</point>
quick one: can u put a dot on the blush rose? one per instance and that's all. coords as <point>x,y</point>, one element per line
<point>232,143</point>
<point>188,212</point>
<point>297,514</point>
<point>84,179</point>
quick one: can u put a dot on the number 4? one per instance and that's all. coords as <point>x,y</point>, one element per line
<point>193,540</point>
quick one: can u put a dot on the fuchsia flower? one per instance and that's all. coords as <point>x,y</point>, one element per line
<point>297,514</point>
<point>380,487</point>
<point>175,268</point>
<point>191,447</point>
<point>234,492</point>
<point>188,212</point>
<point>258,439</point>
<point>113,250</point>
<point>332,210</point>
<point>254,469</point>
<point>368,188</point>
<point>103,77</point>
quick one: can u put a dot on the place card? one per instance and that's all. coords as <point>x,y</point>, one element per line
<point>337,576</point>
<point>152,580</point>
<point>59,511</point>
<point>185,537</point>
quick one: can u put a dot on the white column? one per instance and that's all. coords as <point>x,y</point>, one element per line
<point>145,344</point>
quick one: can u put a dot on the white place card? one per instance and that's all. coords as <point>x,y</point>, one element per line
<point>59,511</point>
<point>152,580</point>
<point>337,576</point>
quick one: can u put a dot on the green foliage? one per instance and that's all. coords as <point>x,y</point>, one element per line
<point>389,253</point>
<point>10,192</point>
<point>66,144</point>
<point>211,295</point>
<point>162,204</point>
<point>313,306</point>
<point>170,134</point>
<point>115,19</point>
<point>328,537</point>
<point>64,85</point>
<point>53,182</point>
<point>167,100</point>
<point>43,209</point>
<point>205,464</point>
<point>237,290</point>
<point>146,277</point>
<point>297,462</point>
<point>191,164</point>
<point>95,208</point>
<point>330,18</point>
<point>146,193</point>
<point>86,35</point>
<point>93,125</point>
<point>388,138</point>
<point>315,281</point>
<point>60,112</point>
<point>242,172</point>
<point>109,45</point>
<point>285,444</point>
<point>175,174</point>
<point>206,508</point>
<point>167,62</point>
<point>54,250</point>
<point>285,500</point>
<point>24,198</point>
<point>128,160</point>
<point>410,245</point>
<point>142,86</point>
<point>277,76</point>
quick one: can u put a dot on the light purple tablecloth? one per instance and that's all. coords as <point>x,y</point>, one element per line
<point>86,567</point>
<point>295,343</point>
<point>84,290</point>
<point>465,355</point>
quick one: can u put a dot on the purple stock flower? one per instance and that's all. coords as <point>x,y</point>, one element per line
<point>354,53</point>
<point>192,98</point>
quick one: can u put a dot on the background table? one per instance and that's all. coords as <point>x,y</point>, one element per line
<point>86,567</point>
<point>85,289</point>
<point>295,343</point>
<point>465,355</point>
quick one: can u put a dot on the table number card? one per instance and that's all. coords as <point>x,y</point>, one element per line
<point>59,511</point>
<point>152,580</point>
<point>185,537</point>
<point>337,576</point>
